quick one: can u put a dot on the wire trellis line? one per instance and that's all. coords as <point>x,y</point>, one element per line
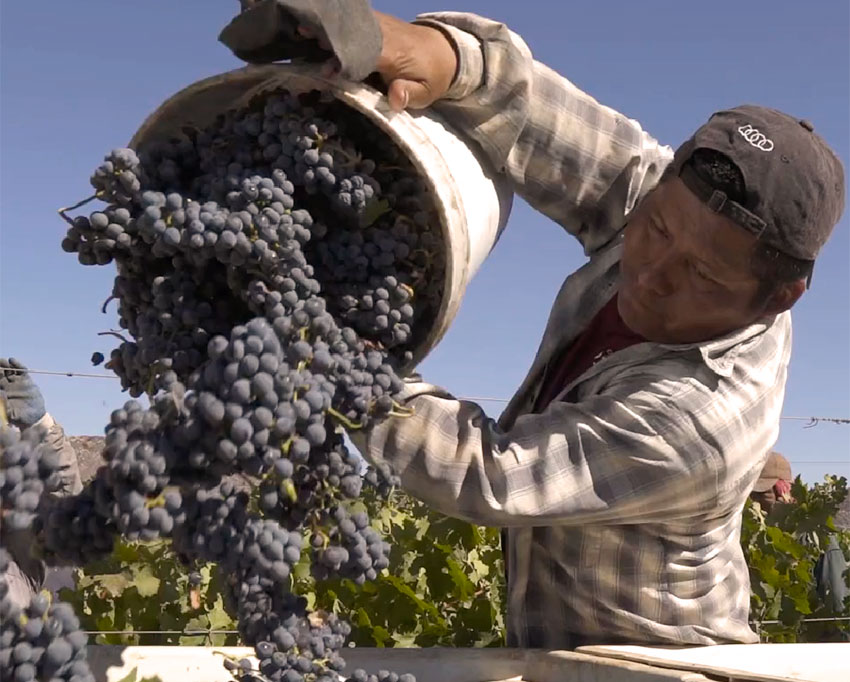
<point>832,619</point>
<point>811,421</point>
<point>185,633</point>
<point>61,374</point>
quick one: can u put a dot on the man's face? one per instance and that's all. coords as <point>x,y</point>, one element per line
<point>767,500</point>
<point>685,272</point>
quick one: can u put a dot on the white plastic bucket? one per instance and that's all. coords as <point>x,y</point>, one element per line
<point>473,201</point>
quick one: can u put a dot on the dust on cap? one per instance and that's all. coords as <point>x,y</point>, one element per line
<point>775,469</point>
<point>794,182</point>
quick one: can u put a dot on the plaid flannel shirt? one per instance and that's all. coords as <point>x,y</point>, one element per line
<point>622,500</point>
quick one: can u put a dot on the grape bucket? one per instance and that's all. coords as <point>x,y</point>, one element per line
<point>472,201</point>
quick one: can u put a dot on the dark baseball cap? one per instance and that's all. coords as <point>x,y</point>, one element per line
<point>777,468</point>
<point>794,183</point>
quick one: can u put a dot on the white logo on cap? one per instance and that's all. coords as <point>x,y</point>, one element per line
<point>756,138</point>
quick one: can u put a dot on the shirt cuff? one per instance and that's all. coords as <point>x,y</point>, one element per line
<point>470,58</point>
<point>414,388</point>
<point>46,422</point>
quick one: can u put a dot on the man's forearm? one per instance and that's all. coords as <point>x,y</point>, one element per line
<point>580,163</point>
<point>623,457</point>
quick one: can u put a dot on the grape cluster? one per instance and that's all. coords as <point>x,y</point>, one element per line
<point>28,470</point>
<point>42,641</point>
<point>77,529</point>
<point>382,676</point>
<point>270,278</point>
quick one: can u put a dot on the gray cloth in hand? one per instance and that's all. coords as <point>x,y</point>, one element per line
<point>24,402</point>
<point>266,32</point>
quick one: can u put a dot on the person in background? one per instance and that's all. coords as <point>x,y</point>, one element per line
<point>831,579</point>
<point>24,407</point>
<point>774,487</point>
<point>774,483</point>
<point>831,570</point>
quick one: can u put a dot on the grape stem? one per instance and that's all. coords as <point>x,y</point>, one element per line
<point>351,159</point>
<point>400,415</point>
<point>113,297</point>
<point>158,501</point>
<point>400,410</point>
<point>112,333</point>
<point>353,426</point>
<point>64,211</point>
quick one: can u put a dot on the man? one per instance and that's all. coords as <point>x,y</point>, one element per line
<point>774,483</point>
<point>620,467</point>
<point>24,407</point>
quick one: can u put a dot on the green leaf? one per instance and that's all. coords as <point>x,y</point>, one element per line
<point>112,584</point>
<point>218,617</point>
<point>146,582</point>
<point>372,211</point>
<point>785,543</point>
<point>193,640</point>
<point>218,640</point>
<point>381,635</point>
<point>422,526</point>
<point>362,618</point>
<point>464,586</point>
<point>410,594</point>
<point>198,623</point>
<point>126,553</point>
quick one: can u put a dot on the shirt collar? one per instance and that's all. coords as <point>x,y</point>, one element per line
<point>720,354</point>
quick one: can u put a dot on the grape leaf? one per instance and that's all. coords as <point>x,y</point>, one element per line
<point>146,582</point>
<point>372,211</point>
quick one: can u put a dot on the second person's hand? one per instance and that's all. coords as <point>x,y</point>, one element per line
<point>418,63</point>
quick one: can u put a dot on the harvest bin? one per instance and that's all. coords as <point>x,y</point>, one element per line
<point>202,664</point>
<point>733,662</point>
<point>472,200</point>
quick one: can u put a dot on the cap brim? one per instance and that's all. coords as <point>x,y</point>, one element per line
<point>764,484</point>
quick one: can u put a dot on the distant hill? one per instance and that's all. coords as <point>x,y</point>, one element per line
<point>89,451</point>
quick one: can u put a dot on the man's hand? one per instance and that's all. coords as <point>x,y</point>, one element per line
<point>24,402</point>
<point>418,63</point>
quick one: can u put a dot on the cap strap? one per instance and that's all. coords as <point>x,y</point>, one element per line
<point>719,202</point>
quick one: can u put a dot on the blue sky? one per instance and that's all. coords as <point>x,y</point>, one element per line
<point>78,78</point>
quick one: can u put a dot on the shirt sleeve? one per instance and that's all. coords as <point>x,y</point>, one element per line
<point>580,163</point>
<point>69,469</point>
<point>635,453</point>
